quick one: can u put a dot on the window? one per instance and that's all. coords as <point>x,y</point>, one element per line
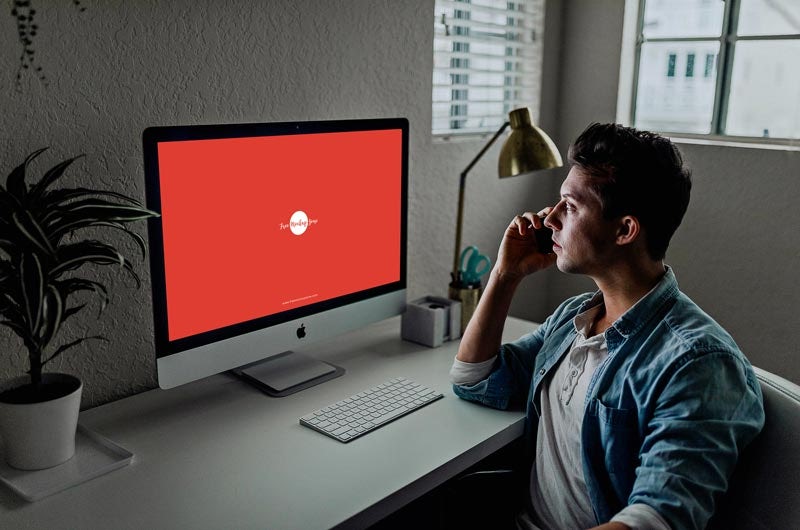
<point>746,82</point>
<point>487,60</point>
<point>709,68</point>
<point>671,65</point>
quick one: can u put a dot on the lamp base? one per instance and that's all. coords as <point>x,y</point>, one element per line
<point>469,297</point>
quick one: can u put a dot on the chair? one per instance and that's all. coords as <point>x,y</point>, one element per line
<point>765,488</point>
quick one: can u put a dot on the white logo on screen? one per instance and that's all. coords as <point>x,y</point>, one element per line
<point>298,223</point>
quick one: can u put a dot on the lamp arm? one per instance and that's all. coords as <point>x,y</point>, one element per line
<point>461,186</point>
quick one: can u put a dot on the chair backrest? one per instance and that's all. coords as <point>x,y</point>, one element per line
<point>765,488</point>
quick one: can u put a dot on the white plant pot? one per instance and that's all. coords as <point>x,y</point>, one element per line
<point>41,435</point>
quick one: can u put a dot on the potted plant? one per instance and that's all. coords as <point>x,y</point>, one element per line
<point>42,254</point>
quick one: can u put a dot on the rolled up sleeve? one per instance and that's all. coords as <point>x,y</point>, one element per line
<point>507,384</point>
<point>641,517</point>
<point>462,373</point>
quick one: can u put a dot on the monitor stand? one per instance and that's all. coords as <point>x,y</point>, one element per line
<point>287,373</point>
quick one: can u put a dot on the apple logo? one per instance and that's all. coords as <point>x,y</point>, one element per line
<point>301,331</point>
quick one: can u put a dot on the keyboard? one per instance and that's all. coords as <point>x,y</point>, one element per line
<point>364,412</point>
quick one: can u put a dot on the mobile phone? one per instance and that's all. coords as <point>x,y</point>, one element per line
<point>544,239</point>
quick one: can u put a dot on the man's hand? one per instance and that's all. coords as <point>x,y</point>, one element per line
<point>519,255</point>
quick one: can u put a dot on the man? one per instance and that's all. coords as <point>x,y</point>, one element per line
<point>638,403</point>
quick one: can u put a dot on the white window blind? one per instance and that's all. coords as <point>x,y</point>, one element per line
<point>487,61</point>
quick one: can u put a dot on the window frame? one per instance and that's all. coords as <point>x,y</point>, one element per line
<point>727,42</point>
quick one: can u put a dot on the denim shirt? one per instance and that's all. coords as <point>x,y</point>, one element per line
<point>666,414</point>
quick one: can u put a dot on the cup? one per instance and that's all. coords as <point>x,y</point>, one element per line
<point>468,296</point>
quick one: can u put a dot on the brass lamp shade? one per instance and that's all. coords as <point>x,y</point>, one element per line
<point>527,148</point>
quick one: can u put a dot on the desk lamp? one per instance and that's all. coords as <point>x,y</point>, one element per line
<point>527,149</point>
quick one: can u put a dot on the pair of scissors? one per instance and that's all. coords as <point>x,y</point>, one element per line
<point>473,265</point>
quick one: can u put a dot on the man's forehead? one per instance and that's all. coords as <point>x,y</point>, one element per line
<point>578,186</point>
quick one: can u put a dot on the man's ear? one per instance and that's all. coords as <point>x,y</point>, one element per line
<point>628,230</point>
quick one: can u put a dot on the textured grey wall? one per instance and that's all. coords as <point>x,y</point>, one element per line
<point>122,66</point>
<point>737,252</point>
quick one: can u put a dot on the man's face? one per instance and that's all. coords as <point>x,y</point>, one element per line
<point>583,239</point>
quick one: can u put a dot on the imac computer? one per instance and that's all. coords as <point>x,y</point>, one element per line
<point>272,236</point>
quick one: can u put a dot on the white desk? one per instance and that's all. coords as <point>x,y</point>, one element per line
<point>220,454</point>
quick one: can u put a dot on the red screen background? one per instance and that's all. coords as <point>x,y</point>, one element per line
<point>229,255</point>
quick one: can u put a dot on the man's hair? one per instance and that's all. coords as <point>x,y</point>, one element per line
<point>636,173</point>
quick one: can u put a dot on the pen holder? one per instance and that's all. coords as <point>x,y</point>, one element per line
<point>468,296</point>
<point>431,321</point>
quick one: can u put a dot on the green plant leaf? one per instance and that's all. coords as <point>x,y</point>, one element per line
<point>32,231</point>
<point>7,246</point>
<point>55,198</point>
<point>11,312</point>
<point>72,311</point>
<point>15,184</point>
<point>32,282</point>
<point>133,235</point>
<point>52,315</point>
<point>72,344</point>
<point>73,285</point>
<point>89,213</point>
<point>8,204</point>
<point>12,315</point>
<point>53,174</point>
<point>6,272</point>
<point>15,327</point>
<point>108,211</point>
<point>74,255</point>
<point>7,301</point>
<point>5,306</point>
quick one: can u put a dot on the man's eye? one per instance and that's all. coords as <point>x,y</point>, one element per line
<point>568,207</point>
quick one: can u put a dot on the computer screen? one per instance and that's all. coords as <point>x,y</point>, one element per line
<point>271,236</point>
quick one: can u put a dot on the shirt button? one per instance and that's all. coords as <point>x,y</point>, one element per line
<point>541,372</point>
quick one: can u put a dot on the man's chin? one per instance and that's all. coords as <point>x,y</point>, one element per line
<point>566,267</point>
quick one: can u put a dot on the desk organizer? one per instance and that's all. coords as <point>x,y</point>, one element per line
<point>431,321</point>
<point>95,455</point>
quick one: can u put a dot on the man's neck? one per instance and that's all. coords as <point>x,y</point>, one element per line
<point>622,289</point>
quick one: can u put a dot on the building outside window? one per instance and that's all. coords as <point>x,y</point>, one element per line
<point>487,61</point>
<point>671,65</point>
<point>709,67</point>
<point>750,82</point>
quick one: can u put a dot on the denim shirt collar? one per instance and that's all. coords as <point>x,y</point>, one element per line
<point>649,306</point>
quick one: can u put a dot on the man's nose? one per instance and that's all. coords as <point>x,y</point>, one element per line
<point>551,219</point>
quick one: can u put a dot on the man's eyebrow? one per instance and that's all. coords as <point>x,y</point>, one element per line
<point>575,196</point>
